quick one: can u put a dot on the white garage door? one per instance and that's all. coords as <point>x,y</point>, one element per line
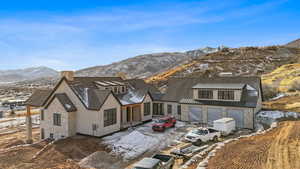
<point>238,116</point>
<point>213,114</point>
<point>195,114</point>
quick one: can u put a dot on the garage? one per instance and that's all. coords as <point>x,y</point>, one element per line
<point>213,114</point>
<point>195,114</point>
<point>238,116</point>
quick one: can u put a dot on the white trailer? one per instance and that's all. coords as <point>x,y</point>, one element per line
<point>224,125</point>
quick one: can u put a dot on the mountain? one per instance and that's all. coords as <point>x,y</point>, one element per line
<point>244,61</point>
<point>146,65</point>
<point>294,44</point>
<point>33,73</point>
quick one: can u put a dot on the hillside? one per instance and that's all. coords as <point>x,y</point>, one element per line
<point>33,73</point>
<point>245,61</point>
<point>294,44</point>
<point>146,65</point>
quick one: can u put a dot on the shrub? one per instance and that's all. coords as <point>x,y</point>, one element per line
<point>269,92</point>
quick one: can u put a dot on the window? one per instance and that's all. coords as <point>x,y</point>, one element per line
<point>51,135</point>
<point>179,110</point>
<point>42,114</point>
<point>205,94</point>
<point>42,133</point>
<point>169,109</point>
<point>226,95</point>
<point>158,109</point>
<point>147,109</point>
<point>123,89</point>
<point>115,89</point>
<point>56,119</point>
<point>110,117</point>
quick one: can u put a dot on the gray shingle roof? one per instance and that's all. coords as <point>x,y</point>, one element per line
<point>65,101</point>
<point>38,98</point>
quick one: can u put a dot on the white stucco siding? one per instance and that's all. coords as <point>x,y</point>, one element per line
<point>48,125</point>
<point>146,100</point>
<point>174,109</point>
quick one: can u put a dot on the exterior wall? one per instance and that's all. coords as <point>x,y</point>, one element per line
<point>149,117</point>
<point>174,109</point>
<point>66,129</point>
<point>86,118</point>
<point>237,94</point>
<point>248,113</point>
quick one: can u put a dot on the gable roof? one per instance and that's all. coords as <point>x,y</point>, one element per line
<point>180,90</point>
<point>92,99</point>
<point>38,98</point>
<point>65,102</point>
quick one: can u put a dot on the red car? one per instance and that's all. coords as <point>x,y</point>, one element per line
<point>163,123</point>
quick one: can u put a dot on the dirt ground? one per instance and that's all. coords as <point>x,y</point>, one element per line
<point>63,154</point>
<point>279,148</point>
<point>288,103</point>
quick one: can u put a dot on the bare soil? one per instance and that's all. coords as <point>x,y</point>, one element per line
<point>279,148</point>
<point>288,103</point>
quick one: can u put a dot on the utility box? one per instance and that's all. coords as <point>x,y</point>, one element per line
<point>225,125</point>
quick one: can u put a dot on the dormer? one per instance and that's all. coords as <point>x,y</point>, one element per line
<point>116,87</point>
<point>218,91</point>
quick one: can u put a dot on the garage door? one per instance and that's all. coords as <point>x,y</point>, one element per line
<point>213,114</point>
<point>195,114</point>
<point>238,116</point>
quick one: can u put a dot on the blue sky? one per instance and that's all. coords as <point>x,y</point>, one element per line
<point>74,34</point>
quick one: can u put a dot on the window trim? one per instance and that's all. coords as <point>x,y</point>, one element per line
<point>206,94</point>
<point>42,115</point>
<point>109,117</point>
<point>226,95</point>
<point>169,108</point>
<point>56,119</point>
<point>147,109</point>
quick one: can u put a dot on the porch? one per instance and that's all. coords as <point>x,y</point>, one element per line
<point>131,115</point>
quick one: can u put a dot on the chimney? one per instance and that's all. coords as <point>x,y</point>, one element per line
<point>69,75</point>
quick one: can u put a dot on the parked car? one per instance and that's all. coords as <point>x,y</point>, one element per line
<point>162,123</point>
<point>199,135</point>
<point>225,125</point>
<point>158,161</point>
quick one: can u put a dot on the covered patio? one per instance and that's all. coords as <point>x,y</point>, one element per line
<point>131,115</point>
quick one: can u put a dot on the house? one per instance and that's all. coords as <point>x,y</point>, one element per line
<point>99,106</point>
<point>94,106</point>
<point>204,100</point>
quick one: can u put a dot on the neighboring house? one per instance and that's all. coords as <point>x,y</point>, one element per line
<point>99,106</point>
<point>204,100</point>
<point>94,106</point>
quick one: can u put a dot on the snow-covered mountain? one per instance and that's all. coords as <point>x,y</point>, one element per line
<point>17,75</point>
<point>146,65</point>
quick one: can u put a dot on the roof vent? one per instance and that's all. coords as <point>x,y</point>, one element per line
<point>69,75</point>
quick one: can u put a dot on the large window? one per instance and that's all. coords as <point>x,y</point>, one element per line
<point>147,109</point>
<point>56,119</point>
<point>179,110</point>
<point>169,109</point>
<point>226,95</point>
<point>110,117</point>
<point>158,109</point>
<point>205,94</point>
<point>42,114</point>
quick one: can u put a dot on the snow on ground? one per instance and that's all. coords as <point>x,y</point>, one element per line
<point>278,96</point>
<point>268,117</point>
<point>134,142</point>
